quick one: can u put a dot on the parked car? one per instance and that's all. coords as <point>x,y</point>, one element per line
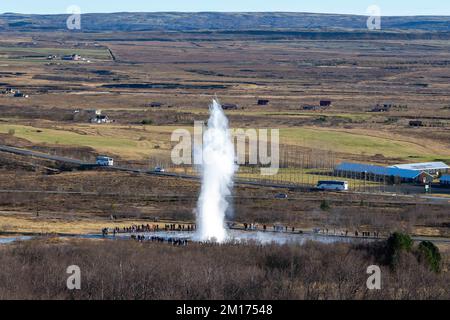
<point>104,161</point>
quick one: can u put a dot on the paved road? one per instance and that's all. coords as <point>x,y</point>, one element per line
<point>41,155</point>
<point>238,181</point>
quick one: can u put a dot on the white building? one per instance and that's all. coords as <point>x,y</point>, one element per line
<point>99,119</point>
<point>428,167</point>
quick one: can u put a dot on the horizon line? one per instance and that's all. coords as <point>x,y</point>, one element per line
<point>233,12</point>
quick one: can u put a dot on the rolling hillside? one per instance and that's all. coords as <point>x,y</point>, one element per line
<point>218,21</point>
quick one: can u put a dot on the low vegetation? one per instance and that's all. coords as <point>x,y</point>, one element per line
<point>131,270</point>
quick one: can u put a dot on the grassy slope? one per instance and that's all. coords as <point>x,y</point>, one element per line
<point>118,145</point>
<point>362,142</point>
<point>134,142</point>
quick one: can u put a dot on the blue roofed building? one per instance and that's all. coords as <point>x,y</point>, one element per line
<point>445,180</point>
<point>376,173</point>
<point>433,168</point>
<point>361,168</point>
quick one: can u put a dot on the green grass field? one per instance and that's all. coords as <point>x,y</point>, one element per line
<point>358,143</point>
<point>103,144</point>
<point>134,142</point>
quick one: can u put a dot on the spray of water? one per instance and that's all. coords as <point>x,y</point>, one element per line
<point>218,168</point>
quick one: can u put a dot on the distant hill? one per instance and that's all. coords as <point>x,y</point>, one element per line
<point>103,22</point>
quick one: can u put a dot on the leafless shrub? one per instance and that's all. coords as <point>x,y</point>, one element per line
<point>131,270</point>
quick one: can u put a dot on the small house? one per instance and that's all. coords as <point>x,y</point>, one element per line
<point>385,107</point>
<point>99,119</point>
<point>230,106</point>
<point>9,91</point>
<point>155,104</point>
<point>325,103</point>
<point>310,107</point>
<point>416,123</point>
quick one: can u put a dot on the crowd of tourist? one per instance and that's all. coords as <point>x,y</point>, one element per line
<point>346,233</point>
<point>133,229</point>
<point>170,240</point>
<point>148,228</point>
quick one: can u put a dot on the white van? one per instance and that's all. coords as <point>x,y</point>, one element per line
<point>333,185</point>
<point>104,161</point>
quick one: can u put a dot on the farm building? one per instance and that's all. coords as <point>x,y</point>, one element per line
<point>230,106</point>
<point>385,107</point>
<point>325,103</point>
<point>155,104</point>
<point>9,91</point>
<point>377,173</point>
<point>311,107</point>
<point>72,57</point>
<point>19,94</point>
<point>100,119</point>
<point>445,180</point>
<point>428,167</point>
<point>416,123</point>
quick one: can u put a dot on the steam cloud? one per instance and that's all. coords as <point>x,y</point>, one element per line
<point>218,168</point>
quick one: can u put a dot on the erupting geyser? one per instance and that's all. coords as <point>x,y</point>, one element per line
<point>218,168</point>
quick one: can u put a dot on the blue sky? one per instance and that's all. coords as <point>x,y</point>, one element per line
<point>388,7</point>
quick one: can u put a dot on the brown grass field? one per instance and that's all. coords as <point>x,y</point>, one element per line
<point>183,75</point>
<point>184,72</point>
